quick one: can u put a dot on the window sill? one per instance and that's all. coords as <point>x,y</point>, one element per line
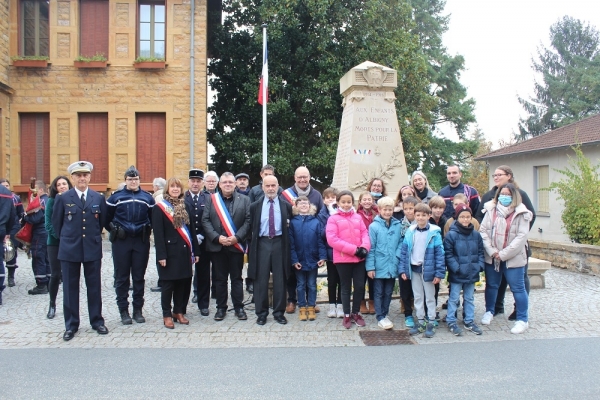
<point>91,64</point>
<point>150,65</point>
<point>30,63</point>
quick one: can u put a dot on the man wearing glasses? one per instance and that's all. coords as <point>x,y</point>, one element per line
<point>302,187</point>
<point>129,215</point>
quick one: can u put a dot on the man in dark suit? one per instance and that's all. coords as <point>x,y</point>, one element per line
<point>78,219</point>
<point>270,250</point>
<point>225,242</point>
<point>196,198</point>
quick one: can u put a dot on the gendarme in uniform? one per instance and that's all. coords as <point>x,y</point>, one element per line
<point>129,219</point>
<point>78,219</point>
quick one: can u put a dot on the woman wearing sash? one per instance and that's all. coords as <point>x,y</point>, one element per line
<point>176,251</point>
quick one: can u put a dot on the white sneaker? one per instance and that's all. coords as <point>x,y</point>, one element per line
<point>385,324</point>
<point>487,318</point>
<point>520,327</point>
<point>331,313</point>
<point>340,311</point>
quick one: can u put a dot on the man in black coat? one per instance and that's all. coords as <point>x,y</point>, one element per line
<point>225,242</point>
<point>79,215</point>
<point>270,250</point>
<point>8,216</point>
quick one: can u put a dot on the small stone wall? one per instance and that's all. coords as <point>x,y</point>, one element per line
<point>572,256</point>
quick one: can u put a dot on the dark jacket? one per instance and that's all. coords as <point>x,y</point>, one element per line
<point>323,216</point>
<point>441,223</point>
<point>257,192</point>
<point>8,212</point>
<point>79,228</point>
<point>464,254</point>
<point>448,193</point>
<point>52,237</point>
<point>490,195</point>
<point>239,209</point>
<point>131,210</point>
<point>314,196</point>
<point>306,242</point>
<point>172,247</point>
<point>197,212</point>
<point>38,219</point>
<point>255,215</point>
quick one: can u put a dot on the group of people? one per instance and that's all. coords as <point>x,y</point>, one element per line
<point>202,235</point>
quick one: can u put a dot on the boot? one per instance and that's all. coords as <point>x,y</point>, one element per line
<point>51,310</point>
<point>371,307</point>
<point>11,276</point>
<point>363,307</point>
<point>311,314</point>
<point>181,319</point>
<point>125,318</point>
<point>137,316</point>
<point>302,314</point>
<point>39,289</point>
<point>168,321</point>
<point>317,309</point>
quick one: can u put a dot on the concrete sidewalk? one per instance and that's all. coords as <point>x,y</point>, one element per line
<point>568,307</point>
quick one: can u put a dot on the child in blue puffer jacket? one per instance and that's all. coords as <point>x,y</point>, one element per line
<point>308,254</point>
<point>382,260</point>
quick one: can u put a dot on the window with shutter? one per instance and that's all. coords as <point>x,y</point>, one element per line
<point>93,28</point>
<point>93,144</point>
<point>35,146</point>
<point>33,28</point>
<point>151,145</point>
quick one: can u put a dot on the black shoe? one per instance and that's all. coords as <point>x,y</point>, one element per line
<point>68,335</point>
<point>498,311</point>
<point>11,276</point>
<point>155,289</point>
<point>250,288</point>
<point>51,311</point>
<point>220,314</point>
<point>195,299</point>
<point>241,314</point>
<point>445,305</point>
<point>281,320</point>
<point>125,318</point>
<point>261,320</point>
<point>137,316</point>
<point>513,316</point>
<point>39,289</point>
<point>101,329</point>
<point>204,312</point>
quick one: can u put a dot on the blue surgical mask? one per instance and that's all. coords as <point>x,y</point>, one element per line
<point>374,194</point>
<point>505,200</point>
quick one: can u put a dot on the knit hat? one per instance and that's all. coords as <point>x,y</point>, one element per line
<point>461,208</point>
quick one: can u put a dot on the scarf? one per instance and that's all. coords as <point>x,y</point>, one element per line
<point>302,192</point>
<point>501,225</point>
<point>368,216</point>
<point>180,215</point>
<point>422,195</point>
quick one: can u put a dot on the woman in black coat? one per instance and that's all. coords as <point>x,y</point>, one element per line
<point>176,251</point>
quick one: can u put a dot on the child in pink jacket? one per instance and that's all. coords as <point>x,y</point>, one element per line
<point>349,238</point>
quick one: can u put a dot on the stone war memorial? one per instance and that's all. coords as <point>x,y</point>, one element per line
<point>370,144</point>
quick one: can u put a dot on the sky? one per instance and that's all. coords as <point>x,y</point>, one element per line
<point>498,40</point>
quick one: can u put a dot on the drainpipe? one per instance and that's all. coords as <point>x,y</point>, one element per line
<point>192,81</point>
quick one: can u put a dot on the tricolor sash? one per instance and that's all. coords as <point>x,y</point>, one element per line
<point>184,232</point>
<point>290,196</point>
<point>225,217</point>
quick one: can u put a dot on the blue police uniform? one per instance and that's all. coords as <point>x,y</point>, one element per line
<point>20,212</point>
<point>7,219</point>
<point>79,228</point>
<point>131,212</point>
<point>39,254</point>
<point>201,281</point>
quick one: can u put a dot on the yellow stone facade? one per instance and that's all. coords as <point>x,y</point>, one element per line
<point>63,91</point>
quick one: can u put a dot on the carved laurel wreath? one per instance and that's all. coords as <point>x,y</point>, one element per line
<point>385,172</point>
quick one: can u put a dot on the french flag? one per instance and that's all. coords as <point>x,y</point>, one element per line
<point>264,79</point>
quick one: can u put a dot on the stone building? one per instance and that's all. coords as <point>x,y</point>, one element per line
<point>535,163</point>
<point>118,113</point>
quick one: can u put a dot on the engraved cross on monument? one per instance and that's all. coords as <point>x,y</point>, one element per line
<point>369,145</point>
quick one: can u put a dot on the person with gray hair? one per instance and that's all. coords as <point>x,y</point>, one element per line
<point>419,182</point>
<point>210,182</point>
<point>158,185</point>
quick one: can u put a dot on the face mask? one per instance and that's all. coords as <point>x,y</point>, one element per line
<point>376,194</point>
<point>505,200</point>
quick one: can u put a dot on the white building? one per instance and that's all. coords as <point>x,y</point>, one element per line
<point>534,163</point>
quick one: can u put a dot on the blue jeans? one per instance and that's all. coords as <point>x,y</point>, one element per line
<point>515,279</point>
<point>307,279</point>
<point>454,301</point>
<point>383,289</point>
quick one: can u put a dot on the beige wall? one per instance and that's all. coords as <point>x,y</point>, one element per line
<point>523,167</point>
<point>119,90</point>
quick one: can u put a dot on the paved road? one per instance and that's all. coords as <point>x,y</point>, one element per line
<point>568,307</point>
<point>534,369</point>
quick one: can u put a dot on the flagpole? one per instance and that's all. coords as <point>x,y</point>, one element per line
<point>264,96</point>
